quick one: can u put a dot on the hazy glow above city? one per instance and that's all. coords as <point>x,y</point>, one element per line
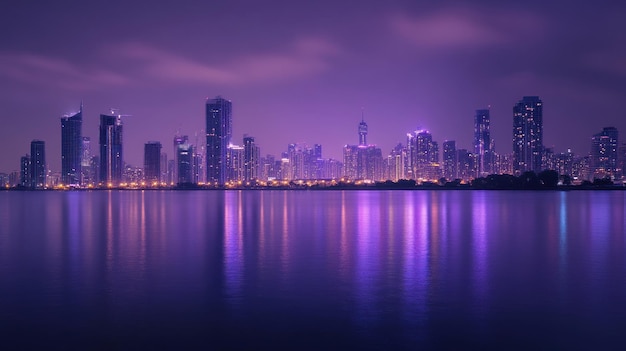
<point>301,72</point>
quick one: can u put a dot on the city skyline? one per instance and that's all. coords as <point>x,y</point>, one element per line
<point>220,161</point>
<point>409,65</point>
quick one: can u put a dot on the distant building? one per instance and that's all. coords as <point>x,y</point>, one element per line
<point>251,154</point>
<point>449,160</point>
<point>152,162</point>
<point>621,159</point>
<point>185,164</point>
<point>25,178</point>
<point>482,143</point>
<point>394,164</point>
<point>604,155</point>
<point>218,137</point>
<point>71,148</point>
<point>38,164</point>
<point>163,166</point>
<point>89,173</point>
<point>236,163</point>
<point>527,135</point>
<point>111,160</point>
<point>363,161</point>
<point>423,155</point>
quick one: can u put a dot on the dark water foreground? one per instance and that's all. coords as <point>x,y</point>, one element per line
<point>316,270</point>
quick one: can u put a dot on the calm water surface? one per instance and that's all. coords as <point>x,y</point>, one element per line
<point>312,270</point>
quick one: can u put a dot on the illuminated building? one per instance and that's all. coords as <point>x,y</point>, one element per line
<point>25,171</point>
<point>111,164</point>
<point>152,162</point>
<point>184,159</point>
<point>178,140</point>
<point>218,137</point>
<point>71,148</point>
<point>482,143</point>
<point>423,155</point>
<point>449,160</point>
<point>604,154</point>
<point>527,135</point>
<point>37,164</point>
<point>363,161</point>
<point>251,154</point>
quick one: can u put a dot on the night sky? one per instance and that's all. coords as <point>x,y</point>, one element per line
<point>300,71</point>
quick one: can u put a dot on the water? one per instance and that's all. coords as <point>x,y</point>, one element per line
<point>315,270</point>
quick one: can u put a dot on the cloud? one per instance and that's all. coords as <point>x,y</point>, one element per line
<point>136,63</point>
<point>459,28</point>
<point>55,72</point>
<point>304,58</point>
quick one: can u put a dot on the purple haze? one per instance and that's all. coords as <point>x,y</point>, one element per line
<point>302,71</point>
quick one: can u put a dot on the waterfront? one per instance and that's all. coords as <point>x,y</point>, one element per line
<point>312,269</point>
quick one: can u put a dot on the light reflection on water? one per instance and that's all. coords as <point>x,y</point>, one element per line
<point>366,269</point>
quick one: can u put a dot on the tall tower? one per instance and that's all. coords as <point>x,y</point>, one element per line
<point>449,160</point>
<point>38,164</point>
<point>71,148</point>
<point>527,135</point>
<point>218,137</point>
<point>152,161</point>
<point>111,164</point>
<point>251,159</point>
<point>482,143</point>
<point>362,131</point>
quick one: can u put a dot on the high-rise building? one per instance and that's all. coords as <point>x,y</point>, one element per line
<point>163,161</point>
<point>251,159</point>
<point>362,132</point>
<point>25,171</point>
<point>482,143</point>
<point>236,163</point>
<point>218,137</point>
<point>111,161</point>
<point>466,167</point>
<point>88,173</point>
<point>449,160</point>
<point>621,159</point>
<point>37,164</point>
<point>527,135</point>
<point>152,162</point>
<point>363,161</point>
<point>604,154</point>
<point>423,155</point>
<point>184,158</point>
<point>71,148</point>
<point>178,140</point>
<point>395,163</point>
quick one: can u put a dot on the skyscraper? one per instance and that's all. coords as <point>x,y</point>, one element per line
<point>37,164</point>
<point>152,162</point>
<point>218,137</point>
<point>71,148</point>
<point>449,160</point>
<point>423,155</point>
<point>604,153</point>
<point>184,158</point>
<point>527,135</point>
<point>111,164</point>
<point>482,143</point>
<point>178,140</point>
<point>362,132</point>
<point>251,156</point>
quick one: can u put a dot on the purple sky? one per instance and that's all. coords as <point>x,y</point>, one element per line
<point>300,71</point>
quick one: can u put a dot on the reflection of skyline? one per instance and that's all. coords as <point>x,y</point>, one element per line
<point>375,261</point>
